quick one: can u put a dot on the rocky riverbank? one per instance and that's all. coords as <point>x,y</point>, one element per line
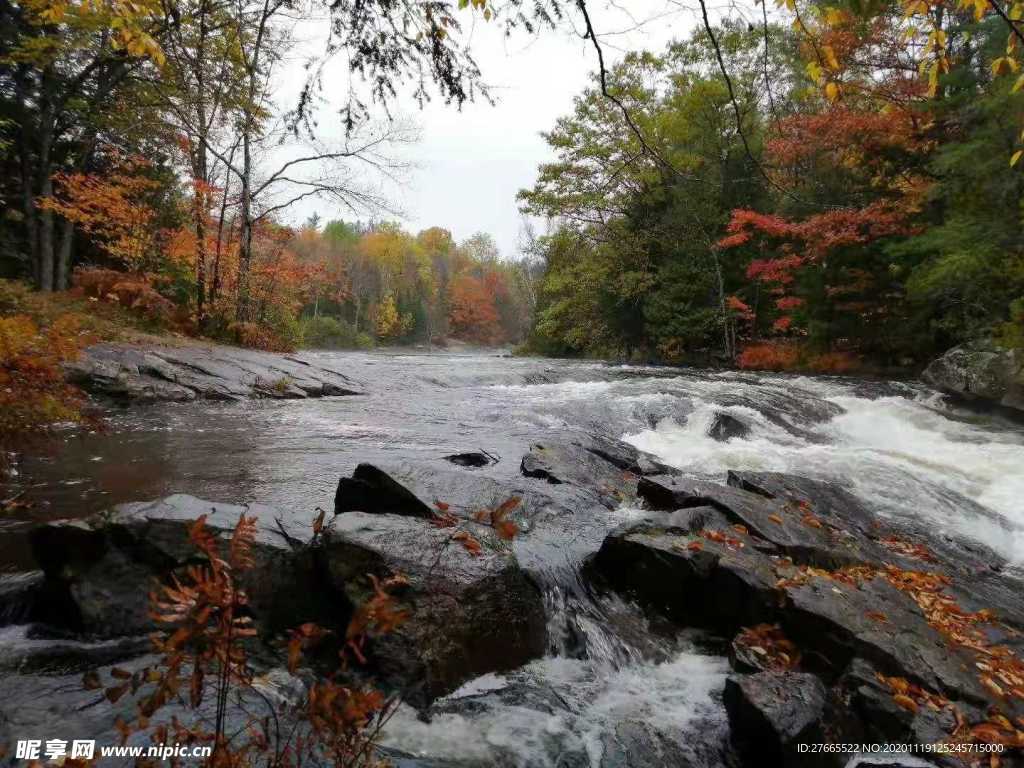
<point>841,627</point>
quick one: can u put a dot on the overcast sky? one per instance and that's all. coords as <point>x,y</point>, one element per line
<point>469,164</point>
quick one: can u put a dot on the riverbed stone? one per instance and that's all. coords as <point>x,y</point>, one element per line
<point>203,371</point>
<point>725,427</point>
<point>371,489</point>
<point>421,489</point>
<point>827,586</point>
<point>812,522</point>
<point>469,613</point>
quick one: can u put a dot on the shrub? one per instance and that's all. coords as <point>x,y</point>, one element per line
<point>769,356</point>
<point>326,332</point>
<point>203,656</point>
<point>34,394</point>
<point>130,290</point>
<point>834,362</point>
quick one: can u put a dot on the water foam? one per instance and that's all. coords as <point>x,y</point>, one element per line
<point>669,698</point>
<point>901,454</point>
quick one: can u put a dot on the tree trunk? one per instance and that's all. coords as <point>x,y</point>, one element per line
<point>62,279</point>
<point>245,236</point>
<point>46,239</point>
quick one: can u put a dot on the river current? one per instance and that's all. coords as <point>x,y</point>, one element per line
<point>899,446</point>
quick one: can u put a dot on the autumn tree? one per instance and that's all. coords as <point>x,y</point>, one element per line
<point>473,316</point>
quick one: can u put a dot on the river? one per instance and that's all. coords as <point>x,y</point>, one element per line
<point>897,445</point>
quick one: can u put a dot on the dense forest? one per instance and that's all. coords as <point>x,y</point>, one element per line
<point>836,194</point>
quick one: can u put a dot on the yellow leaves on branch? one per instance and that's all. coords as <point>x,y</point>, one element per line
<point>130,21</point>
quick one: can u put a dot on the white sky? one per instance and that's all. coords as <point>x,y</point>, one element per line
<point>469,165</point>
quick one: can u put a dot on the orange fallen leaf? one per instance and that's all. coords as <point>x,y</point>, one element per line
<point>905,701</point>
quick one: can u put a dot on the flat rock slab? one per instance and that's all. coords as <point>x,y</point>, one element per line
<point>208,372</point>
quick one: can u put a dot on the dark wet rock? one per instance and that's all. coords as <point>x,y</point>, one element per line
<point>696,519</point>
<point>39,650</point>
<point>372,490</point>
<point>467,615</point>
<point>725,427</point>
<point>771,713</point>
<point>981,371</point>
<point>581,468</point>
<point>684,573</point>
<point>877,622</point>
<point>867,713</point>
<point>193,372</point>
<point>414,489</point>
<point>19,594</point>
<point>475,459</point>
<point>693,579</point>
<point>101,569</point>
<point>830,531</point>
<point>57,705</point>
<point>625,456</point>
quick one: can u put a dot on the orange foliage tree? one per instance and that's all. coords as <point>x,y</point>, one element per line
<point>113,209</point>
<point>34,394</point>
<point>473,315</point>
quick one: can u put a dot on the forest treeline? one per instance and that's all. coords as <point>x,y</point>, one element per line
<point>849,197</point>
<point>832,186</point>
<point>145,163</point>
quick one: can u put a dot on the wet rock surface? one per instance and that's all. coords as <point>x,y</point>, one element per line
<point>771,713</point>
<point>215,372</point>
<point>467,614</point>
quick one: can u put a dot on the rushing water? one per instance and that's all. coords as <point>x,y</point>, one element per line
<point>899,446</point>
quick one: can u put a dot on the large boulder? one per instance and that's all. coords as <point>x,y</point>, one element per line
<point>371,489</point>
<point>423,489</point>
<point>725,427</point>
<point>839,583</point>
<point>470,607</point>
<point>808,520</point>
<point>981,371</point>
<point>469,611</point>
